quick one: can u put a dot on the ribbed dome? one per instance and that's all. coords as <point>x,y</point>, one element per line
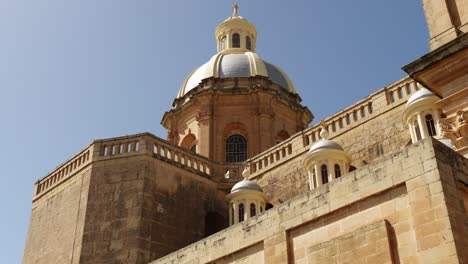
<point>325,144</point>
<point>232,65</point>
<point>422,94</point>
<point>246,185</point>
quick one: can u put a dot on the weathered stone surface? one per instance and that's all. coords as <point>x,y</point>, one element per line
<point>389,217</point>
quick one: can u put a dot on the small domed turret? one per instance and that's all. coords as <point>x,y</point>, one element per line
<point>246,200</point>
<point>325,161</point>
<point>421,115</point>
<point>236,34</point>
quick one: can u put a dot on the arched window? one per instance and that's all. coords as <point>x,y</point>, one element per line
<point>236,149</point>
<point>235,40</point>
<point>223,43</point>
<point>430,126</point>
<point>324,170</point>
<point>232,215</point>
<point>253,211</point>
<point>241,212</point>
<point>248,43</point>
<point>337,171</point>
<point>416,130</point>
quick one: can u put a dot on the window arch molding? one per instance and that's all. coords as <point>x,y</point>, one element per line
<point>236,149</point>
<point>248,43</point>
<point>324,173</point>
<point>253,210</point>
<point>223,43</point>
<point>234,128</point>
<point>337,170</point>
<point>236,40</point>
<point>430,124</point>
<point>241,212</point>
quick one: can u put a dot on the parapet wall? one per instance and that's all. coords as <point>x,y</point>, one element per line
<point>406,208</point>
<point>367,130</point>
<point>129,199</point>
<point>128,146</point>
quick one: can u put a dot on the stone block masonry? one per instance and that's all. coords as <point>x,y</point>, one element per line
<point>125,200</point>
<point>407,208</point>
<point>367,130</point>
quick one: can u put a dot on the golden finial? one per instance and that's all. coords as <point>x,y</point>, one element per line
<point>246,173</point>
<point>236,8</point>
<point>323,131</point>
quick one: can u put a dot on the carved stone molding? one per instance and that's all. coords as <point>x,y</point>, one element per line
<point>173,135</point>
<point>455,128</point>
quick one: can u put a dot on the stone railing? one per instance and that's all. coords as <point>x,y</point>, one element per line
<point>139,144</point>
<point>149,144</point>
<point>63,172</point>
<point>119,147</point>
<point>169,152</point>
<point>363,110</point>
<point>401,90</point>
<point>341,122</point>
<point>272,156</point>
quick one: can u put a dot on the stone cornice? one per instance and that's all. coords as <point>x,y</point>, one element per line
<point>437,55</point>
<point>237,86</point>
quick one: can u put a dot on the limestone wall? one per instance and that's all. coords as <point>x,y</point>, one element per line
<point>129,199</point>
<point>406,208</point>
<point>57,222</point>
<point>141,208</point>
<point>375,128</point>
<point>255,108</point>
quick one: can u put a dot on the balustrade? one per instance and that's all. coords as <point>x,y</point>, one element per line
<point>173,153</point>
<point>345,120</point>
<point>63,172</point>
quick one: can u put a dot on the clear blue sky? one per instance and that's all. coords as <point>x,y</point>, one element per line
<point>74,71</point>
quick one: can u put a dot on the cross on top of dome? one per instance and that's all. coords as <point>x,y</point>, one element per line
<point>236,9</point>
<point>236,34</point>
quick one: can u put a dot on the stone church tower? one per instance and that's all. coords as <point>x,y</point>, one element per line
<point>237,104</point>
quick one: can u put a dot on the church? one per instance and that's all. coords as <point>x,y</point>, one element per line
<point>243,176</point>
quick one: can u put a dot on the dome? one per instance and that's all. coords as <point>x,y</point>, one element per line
<point>236,58</point>
<point>325,144</point>
<point>246,185</point>
<point>422,94</point>
<point>233,65</point>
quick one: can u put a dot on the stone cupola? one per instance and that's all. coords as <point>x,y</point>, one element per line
<point>421,115</point>
<point>246,200</point>
<point>235,34</point>
<point>325,161</point>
